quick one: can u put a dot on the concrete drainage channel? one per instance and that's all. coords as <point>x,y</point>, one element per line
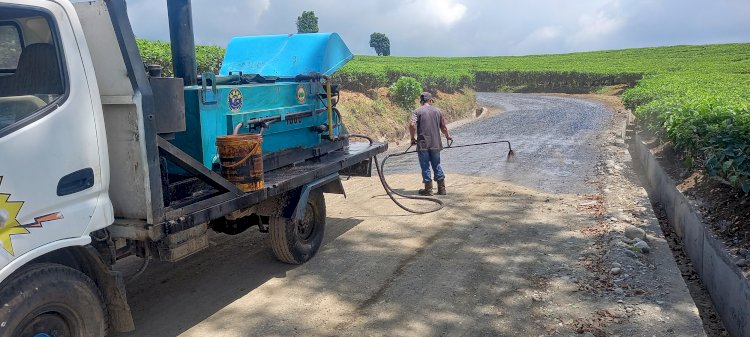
<point>727,287</point>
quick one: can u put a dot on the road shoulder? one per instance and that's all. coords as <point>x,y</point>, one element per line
<point>632,258</point>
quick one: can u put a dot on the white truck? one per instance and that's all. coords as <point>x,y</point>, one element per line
<point>84,153</point>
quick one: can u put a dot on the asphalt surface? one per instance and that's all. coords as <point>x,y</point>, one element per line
<point>551,138</point>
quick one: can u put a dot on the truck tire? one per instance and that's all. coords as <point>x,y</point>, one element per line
<point>52,300</point>
<point>295,243</point>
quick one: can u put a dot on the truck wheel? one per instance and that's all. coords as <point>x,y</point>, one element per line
<point>49,300</point>
<point>295,243</point>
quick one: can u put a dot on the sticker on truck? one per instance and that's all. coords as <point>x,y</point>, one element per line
<point>234,101</point>
<point>301,94</point>
<point>9,225</point>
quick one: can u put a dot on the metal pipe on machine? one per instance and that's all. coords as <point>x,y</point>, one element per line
<point>183,42</point>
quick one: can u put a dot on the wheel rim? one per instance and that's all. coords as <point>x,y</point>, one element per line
<point>53,323</point>
<point>306,227</point>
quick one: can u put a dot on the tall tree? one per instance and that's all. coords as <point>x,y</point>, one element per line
<point>381,44</point>
<point>307,22</point>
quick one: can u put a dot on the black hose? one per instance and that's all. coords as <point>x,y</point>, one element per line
<point>142,269</point>
<point>390,192</point>
<point>380,166</point>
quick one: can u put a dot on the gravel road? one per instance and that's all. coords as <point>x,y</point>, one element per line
<point>520,250</point>
<point>552,137</point>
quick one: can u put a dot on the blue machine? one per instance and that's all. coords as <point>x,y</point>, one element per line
<point>275,85</point>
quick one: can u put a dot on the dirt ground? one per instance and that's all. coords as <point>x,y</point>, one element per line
<point>534,247</point>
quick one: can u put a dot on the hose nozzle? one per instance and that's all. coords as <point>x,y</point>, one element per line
<point>511,155</point>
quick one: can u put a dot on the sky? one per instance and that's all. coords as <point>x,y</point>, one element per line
<point>467,27</point>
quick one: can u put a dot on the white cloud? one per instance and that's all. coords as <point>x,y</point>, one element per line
<point>418,14</point>
<point>545,33</point>
<point>600,24</point>
<point>264,4</point>
<point>447,11</point>
<point>538,40</point>
<point>227,20</point>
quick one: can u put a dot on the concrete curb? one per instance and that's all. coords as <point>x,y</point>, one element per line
<point>728,288</point>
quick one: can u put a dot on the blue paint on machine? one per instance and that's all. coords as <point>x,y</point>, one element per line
<point>286,55</point>
<point>270,84</point>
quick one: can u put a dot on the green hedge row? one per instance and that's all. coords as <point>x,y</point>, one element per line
<point>704,115</point>
<point>209,58</point>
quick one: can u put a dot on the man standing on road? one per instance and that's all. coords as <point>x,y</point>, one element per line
<point>426,123</point>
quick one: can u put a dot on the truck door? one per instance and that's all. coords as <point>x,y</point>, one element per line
<point>51,177</point>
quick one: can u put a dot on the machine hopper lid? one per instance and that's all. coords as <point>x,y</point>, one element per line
<point>286,55</point>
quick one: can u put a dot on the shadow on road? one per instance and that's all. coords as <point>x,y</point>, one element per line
<point>170,298</point>
<point>472,269</point>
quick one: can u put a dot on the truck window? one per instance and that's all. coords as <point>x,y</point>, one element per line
<point>31,76</point>
<point>10,46</point>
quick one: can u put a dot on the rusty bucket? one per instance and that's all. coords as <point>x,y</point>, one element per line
<point>241,159</point>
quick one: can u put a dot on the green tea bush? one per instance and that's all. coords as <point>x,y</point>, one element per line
<point>704,115</point>
<point>405,92</point>
<point>209,58</point>
<point>360,81</point>
<point>727,151</point>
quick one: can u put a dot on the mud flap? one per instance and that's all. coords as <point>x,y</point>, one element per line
<point>112,286</point>
<point>361,169</point>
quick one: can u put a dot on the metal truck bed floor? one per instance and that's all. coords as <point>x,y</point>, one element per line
<point>277,182</point>
<point>289,177</point>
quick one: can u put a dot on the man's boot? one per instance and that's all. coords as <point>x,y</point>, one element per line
<point>427,189</point>
<point>441,187</point>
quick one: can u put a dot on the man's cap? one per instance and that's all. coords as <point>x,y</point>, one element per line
<point>425,96</point>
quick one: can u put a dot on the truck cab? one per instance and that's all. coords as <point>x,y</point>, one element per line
<point>54,172</point>
<point>102,159</point>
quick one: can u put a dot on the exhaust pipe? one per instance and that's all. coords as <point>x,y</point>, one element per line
<point>183,41</point>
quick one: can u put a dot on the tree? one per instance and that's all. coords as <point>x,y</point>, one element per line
<point>381,44</point>
<point>307,22</point>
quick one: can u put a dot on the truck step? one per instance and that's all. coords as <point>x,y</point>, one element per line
<point>177,246</point>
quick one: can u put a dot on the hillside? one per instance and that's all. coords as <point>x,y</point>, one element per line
<point>586,69</point>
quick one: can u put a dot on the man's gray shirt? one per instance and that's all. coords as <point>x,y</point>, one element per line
<point>428,120</point>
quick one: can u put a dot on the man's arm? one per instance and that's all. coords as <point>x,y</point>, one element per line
<point>444,128</point>
<point>413,128</point>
